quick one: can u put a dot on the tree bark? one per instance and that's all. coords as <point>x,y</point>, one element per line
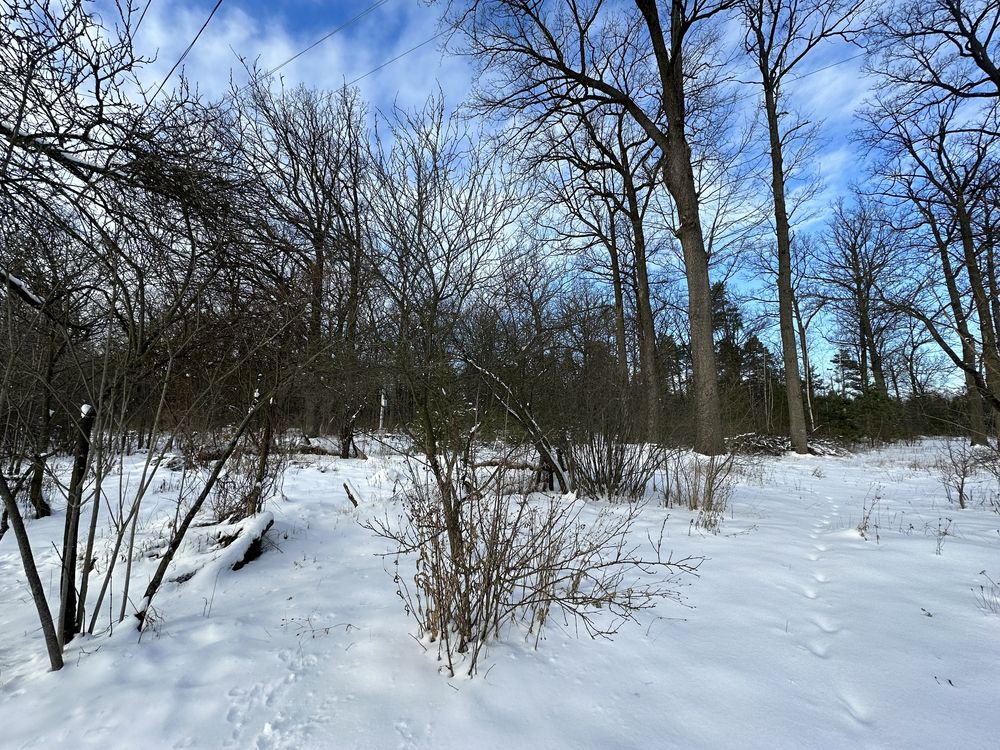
<point>67,585</point>
<point>35,495</point>
<point>52,644</point>
<point>790,359</point>
<point>647,326</point>
<point>803,343</point>
<point>991,358</point>
<point>678,178</point>
<point>616,285</point>
<point>878,370</point>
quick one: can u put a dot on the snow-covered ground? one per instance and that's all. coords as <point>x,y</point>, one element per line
<point>798,633</point>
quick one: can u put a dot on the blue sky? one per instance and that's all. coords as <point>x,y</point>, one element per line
<point>829,92</point>
<point>274,32</point>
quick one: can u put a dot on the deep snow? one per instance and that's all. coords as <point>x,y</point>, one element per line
<point>798,633</point>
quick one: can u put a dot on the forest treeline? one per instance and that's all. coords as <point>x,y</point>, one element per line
<point>617,234</point>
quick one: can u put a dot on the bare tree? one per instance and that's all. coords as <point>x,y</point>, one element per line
<point>940,49</point>
<point>937,165</point>
<point>441,208</point>
<point>780,36</point>
<point>541,58</point>
<point>580,211</point>
<point>858,265</point>
<point>609,189</point>
<point>306,151</point>
<point>137,208</point>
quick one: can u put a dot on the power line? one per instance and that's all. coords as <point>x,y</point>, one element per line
<point>318,42</point>
<point>400,55</point>
<point>149,102</point>
<point>183,56</point>
<point>445,31</point>
<point>836,63</point>
<point>831,65</point>
<point>142,16</point>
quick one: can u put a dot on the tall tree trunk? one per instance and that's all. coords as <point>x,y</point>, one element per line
<point>255,501</point>
<point>67,585</point>
<point>647,326</point>
<point>704,372</point>
<point>991,357</point>
<point>616,285</point>
<point>35,494</point>
<point>974,399</point>
<point>806,369</point>
<point>317,277</point>
<point>994,286</point>
<point>977,421</point>
<point>31,573</point>
<point>678,178</point>
<point>864,337</point>
<point>790,359</point>
<point>878,370</point>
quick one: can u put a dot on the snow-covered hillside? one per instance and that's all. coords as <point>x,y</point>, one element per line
<point>798,633</point>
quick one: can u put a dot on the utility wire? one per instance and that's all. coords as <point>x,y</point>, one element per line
<point>142,16</point>
<point>399,56</point>
<point>183,56</point>
<point>149,102</point>
<point>361,14</point>
<point>340,28</point>
<point>827,67</point>
<point>323,38</point>
<point>836,63</point>
<point>445,31</point>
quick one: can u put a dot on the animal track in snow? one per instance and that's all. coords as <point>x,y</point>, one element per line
<point>856,709</point>
<point>246,706</point>
<point>818,648</point>
<point>825,624</point>
<point>825,628</point>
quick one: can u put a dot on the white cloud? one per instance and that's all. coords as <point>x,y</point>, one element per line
<point>237,32</point>
<point>832,94</point>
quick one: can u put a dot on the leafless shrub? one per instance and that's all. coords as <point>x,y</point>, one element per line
<point>752,469</point>
<point>700,483</point>
<point>957,466</point>
<point>871,514</point>
<point>988,596</point>
<point>521,560</point>
<point>607,466</point>
<point>989,460</point>
<point>942,532</point>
